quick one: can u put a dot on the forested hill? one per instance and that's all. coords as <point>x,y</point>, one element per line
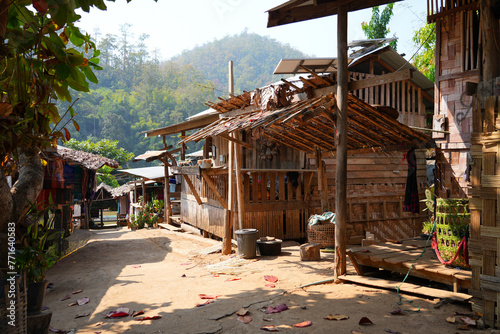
<point>255,57</point>
<point>137,92</point>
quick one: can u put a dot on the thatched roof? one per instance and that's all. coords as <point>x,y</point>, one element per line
<point>115,192</point>
<point>310,124</point>
<point>87,160</point>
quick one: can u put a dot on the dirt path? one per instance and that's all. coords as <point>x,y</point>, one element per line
<point>159,272</point>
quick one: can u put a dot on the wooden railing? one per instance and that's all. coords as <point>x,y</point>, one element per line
<point>259,186</point>
<point>440,8</point>
<point>404,96</point>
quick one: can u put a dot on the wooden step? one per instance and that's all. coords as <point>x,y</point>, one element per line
<point>405,287</point>
<point>170,227</point>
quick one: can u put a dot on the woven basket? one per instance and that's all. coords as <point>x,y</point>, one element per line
<point>20,305</point>
<point>322,234</point>
<point>452,223</point>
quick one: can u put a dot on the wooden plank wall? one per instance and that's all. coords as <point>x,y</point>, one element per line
<point>375,189</point>
<point>456,65</point>
<point>403,96</point>
<point>484,245</point>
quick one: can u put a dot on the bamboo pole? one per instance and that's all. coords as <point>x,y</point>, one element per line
<point>239,183</point>
<point>228,221</point>
<point>166,194</point>
<point>341,143</point>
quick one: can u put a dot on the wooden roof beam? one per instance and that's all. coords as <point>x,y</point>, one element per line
<point>292,85</point>
<point>231,104</point>
<point>234,140</point>
<point>286,143</point>
<point>326,80</point>
<point>215,106</point>
<point>381,80</point>
<point>390,68</point>
<point>308,82</point>
<point>239,99</point>
<point>288,138</point>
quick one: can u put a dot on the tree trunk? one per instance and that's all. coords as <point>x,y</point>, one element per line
<point>15,202</point>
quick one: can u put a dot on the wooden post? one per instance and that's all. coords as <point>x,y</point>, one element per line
<point>183,147</point>
<point>341,145</point>
<point>239,184</point>
<point>167,208</point>
<point>143,183</point>
<point>228,221</point>
<point>321,181</point>
<point>491,49</point>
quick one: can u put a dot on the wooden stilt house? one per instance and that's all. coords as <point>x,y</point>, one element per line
<point>467,105</point>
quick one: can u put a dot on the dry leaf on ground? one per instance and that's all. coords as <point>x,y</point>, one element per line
<point>245,319</point>
<point>336,317</point>
<point>270,278</point>
<point>365,321</point>
<point>303,324</point>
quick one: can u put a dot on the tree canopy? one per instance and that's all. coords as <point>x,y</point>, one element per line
<point>45,56</point>
<point>424,60</point>
<point>378,25</point>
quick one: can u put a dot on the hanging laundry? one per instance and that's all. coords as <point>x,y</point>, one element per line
<point>411,203</point>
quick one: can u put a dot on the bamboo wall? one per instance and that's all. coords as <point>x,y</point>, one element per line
<point>457,63</point>
<point>376,186</point>
<point>484,243</point>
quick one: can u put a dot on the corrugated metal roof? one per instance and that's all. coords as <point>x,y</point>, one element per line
<point>396,61</point>
<point>150,173</point>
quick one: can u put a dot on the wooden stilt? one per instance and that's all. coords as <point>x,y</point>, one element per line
<point>341,143</point>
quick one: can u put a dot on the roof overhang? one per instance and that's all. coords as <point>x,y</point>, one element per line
<point>302,10</point>
<point>192,124</point>
<point>148,173</point>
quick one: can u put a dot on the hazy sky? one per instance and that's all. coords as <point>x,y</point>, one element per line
<point>174,26</point>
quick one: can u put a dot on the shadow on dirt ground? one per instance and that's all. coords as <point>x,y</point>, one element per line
<point>163,274</point>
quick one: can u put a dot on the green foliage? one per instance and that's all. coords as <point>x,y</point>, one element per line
<point>104,147</point>
<point>148,215</point>
<point>44,55</point>
<point>38,250</point>
<point>424,59</point>
<point>255,57</point>
<point>104,176</point>
<point>377,27</point>
<point>142,94</point>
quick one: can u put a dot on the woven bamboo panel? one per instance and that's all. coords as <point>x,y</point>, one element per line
<point>485,209</point>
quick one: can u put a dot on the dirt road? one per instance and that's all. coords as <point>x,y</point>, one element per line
<point>160,273</point>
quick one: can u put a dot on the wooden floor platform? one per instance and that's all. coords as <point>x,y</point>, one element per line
<point>399,257</point>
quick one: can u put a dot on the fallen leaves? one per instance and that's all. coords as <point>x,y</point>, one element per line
<point>68,296</point>
<point>270,328</point>
<point>277,309</point>
<point>245,319</point>
<point>204,296</point>
<point>398,312</point>
<point>233,279</point>
<point>135,314</point>
<point>303,324</point>
<point>120,312</point>
<point>336,317</point>
<point>242,311</point>
<point>82,315</point>
<point>76,292</point>
<point>83,301</point>
<point>209,301</point>
<point>155,317</point>
<point>270,278</point>
<point>365,321</point>
<point>270,285</point>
